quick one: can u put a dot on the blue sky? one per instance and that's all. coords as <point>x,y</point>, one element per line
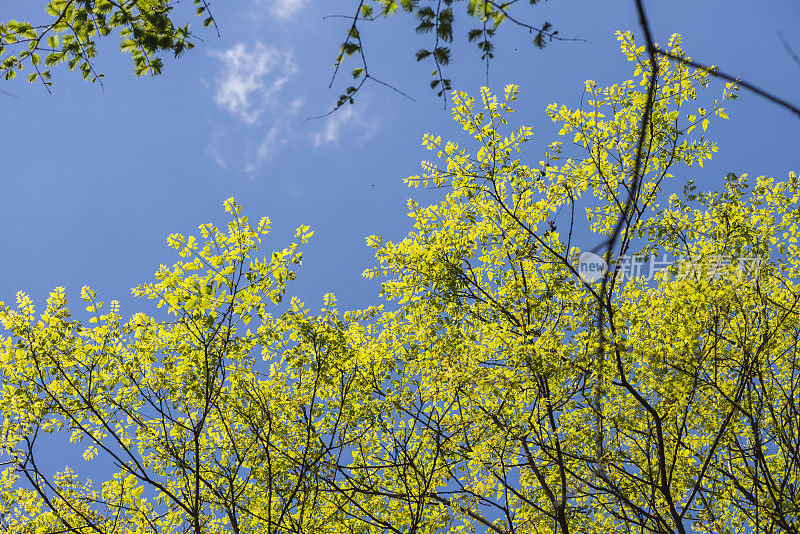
<point>94,179</point>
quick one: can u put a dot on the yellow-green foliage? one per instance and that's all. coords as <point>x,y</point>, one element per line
<point>485,398</point>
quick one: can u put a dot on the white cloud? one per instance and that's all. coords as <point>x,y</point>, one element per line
<point>213,150</point>
<point>253,86</point>
<point>349,122</point>
<point>279,135</point>
<point>251,79</point>
<point>284,9</point>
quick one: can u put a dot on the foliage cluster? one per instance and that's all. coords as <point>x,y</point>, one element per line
<point>146,29</point>
<point>149,28</point>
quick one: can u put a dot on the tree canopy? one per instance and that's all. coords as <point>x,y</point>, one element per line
<point>147,30</point>
<point>485,394</point>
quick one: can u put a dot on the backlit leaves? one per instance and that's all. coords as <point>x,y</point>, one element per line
<point>435,21</point>
<point>146,30</point>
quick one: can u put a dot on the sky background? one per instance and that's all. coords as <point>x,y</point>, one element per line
<point>94,179</point>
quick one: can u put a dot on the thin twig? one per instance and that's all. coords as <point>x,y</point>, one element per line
<point>749,86</point>
<point>549,35</point>
<point>788,48</point>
